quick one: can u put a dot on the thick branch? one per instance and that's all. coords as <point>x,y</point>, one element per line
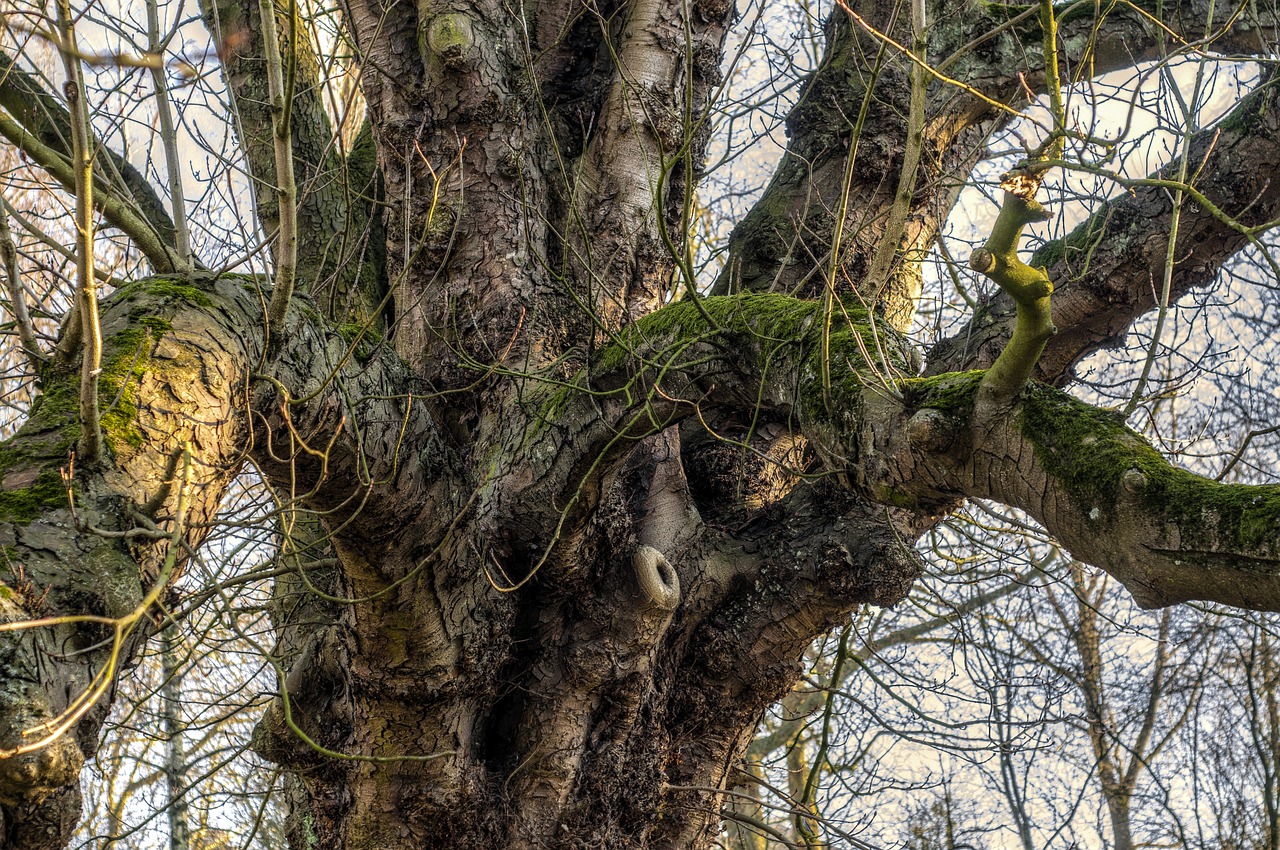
<point>833,163</point>
<point>763,596</point>
<point>757,354</point>
<point>286,241</point>
<point>1167,534</point>
<point>180,399</point>
<point>1104,492</point>
<point>634,178</point>
<point>162,256</point>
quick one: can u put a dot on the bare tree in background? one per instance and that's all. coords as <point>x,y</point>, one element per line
<point>555,528</point>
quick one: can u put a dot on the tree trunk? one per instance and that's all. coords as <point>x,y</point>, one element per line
<point>550,612</point>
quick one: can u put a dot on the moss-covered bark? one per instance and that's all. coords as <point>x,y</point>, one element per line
<point>1188,537</point>
<point>89,548</point>
<point>506,512</point>
<point>911,442</point>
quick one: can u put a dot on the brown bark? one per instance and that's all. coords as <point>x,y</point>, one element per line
<point>534,630</point>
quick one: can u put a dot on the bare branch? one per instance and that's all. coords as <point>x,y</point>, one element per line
<point>90,445</point>
<point>168,138</point>
<point>162,255</point>
<point>17,295</point>
<point>286,189</point>
<point>44,120</point>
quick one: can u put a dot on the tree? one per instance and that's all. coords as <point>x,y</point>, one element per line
<point>555,528</point>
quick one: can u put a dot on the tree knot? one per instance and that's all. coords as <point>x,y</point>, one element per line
<point>982,261</point>
<point>1133,481</point>
<point>657,578</point>
<point>930,430</point>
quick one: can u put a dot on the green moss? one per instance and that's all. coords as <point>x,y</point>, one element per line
<point>755,327</point>
<point>556,403</point>
<point>763,320</point>
<point>42,450</point>
<point>38,452</point>
<point>156,325</point>
<point>895,497</point>
<point>1089,451</point>
<point>312,838</point>
<point>360,336</point>
<point>174,288</point>
<point>12,453</point>
<point>58,403</point>
<point>952,393</point>
<point>1073,247</point>
<point>24,504</point>
<point>129,353</point>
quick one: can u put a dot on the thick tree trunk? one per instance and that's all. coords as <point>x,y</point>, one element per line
<point>532,628</point>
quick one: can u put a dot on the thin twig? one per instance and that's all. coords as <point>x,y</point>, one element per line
<point>17,298</point>
<point>90,445</point>
<point>286,188</point>
<point>1175,219</point>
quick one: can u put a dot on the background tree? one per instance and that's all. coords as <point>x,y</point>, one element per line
<point>554,529</point>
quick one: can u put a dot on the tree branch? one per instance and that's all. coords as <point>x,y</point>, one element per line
<point>1114,501</point>
<point>337,259</point>
<point>161,254</point>
<point>286,244</point>
<point>330,428</point>
<point>168,137</point>
<point>1103,269</point>
<point>1029,287</point>
<point>17,293</point>
<point>634,180</point>
<point>41,115</point>
<point>790,232</point>
<point>1111,498</point>
<point>89,447</point>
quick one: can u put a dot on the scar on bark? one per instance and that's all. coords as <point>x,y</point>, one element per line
<point>657,578</point>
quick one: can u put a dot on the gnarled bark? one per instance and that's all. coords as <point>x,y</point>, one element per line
<point>534,630</point>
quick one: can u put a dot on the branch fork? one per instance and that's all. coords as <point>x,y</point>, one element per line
<point>1029,287</point>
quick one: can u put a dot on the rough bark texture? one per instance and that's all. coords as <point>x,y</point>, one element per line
<point>556,609</point>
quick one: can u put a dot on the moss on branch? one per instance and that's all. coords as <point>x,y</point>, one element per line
<point>176,288</point>
<point>952,393</point>
<point>754,328</point>
<point>1030,289</point>
<point>1108,469</point>
<point>30,463</point>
